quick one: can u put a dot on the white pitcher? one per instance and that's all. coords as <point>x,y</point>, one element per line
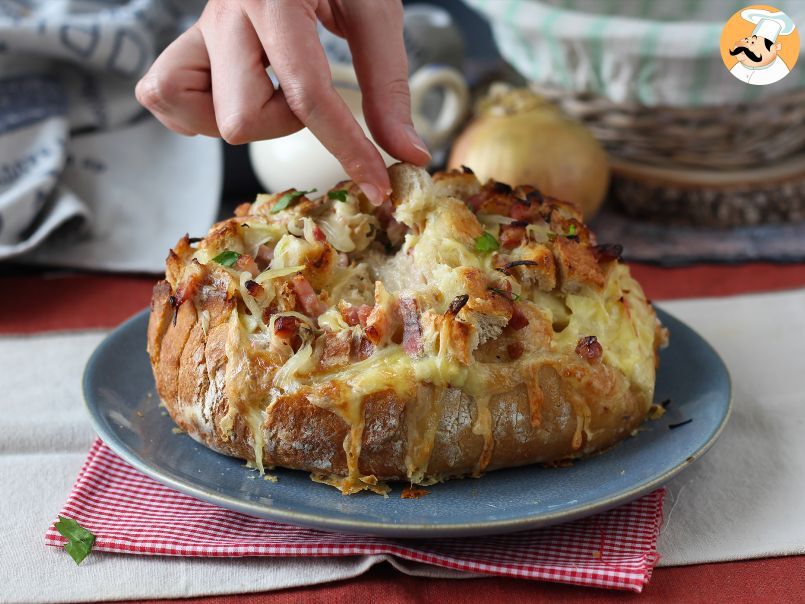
<point>300,160</point>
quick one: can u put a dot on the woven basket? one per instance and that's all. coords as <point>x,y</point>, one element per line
<point>689,142</point>
<point>710,166</point>
<point>716,138</point>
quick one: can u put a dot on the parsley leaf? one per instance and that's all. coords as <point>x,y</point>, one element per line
<point>79,540</point>
<point>287,199</point>
<point>571,230</point>
<point>338,195</point>
<point>486,243</point>
<point>226,258</point>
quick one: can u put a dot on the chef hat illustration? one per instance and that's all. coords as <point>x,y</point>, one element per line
<point>769,24</point>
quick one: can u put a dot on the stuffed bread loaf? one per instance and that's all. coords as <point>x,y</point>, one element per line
<point>456,329</point>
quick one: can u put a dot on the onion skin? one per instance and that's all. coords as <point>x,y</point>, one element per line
<point>537,147</point>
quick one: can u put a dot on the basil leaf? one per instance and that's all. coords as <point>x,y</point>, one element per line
<point>486,243</point>
<point>338,195</point>
<point>79,540</point>
<point>287,199</point>
<point>226,258</point>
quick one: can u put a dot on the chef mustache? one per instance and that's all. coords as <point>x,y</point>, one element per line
<point>743,49</point>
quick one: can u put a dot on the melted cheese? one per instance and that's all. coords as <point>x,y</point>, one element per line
<point>422,421</point>
<point>621,321</point>
<point>385,370</point>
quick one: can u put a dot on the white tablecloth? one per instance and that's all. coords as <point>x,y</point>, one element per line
<point>742,500</point>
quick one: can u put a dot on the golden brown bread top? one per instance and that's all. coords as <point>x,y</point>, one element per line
<point>450,284</point>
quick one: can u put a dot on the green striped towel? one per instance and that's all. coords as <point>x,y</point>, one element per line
<point>650,52</point>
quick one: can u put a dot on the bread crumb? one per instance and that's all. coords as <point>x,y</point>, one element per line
<point>412,492</point>
<point>177,430</point>
<point>271,478</point>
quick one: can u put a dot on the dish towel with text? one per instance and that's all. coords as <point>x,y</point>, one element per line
<point>129,512</point>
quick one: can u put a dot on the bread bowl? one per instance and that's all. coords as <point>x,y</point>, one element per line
<point>456,329</point>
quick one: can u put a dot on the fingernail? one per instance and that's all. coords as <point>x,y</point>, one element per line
<point>415,140</point>
<point>372,192</point>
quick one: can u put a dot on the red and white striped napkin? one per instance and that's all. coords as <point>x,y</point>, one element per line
<point>131,513</point>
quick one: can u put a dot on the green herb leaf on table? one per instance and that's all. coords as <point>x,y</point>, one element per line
<point>486,243</point>
<point>288,199</point>
<point>338,195</point>
<point>226,258</point>
<point>79,540</point>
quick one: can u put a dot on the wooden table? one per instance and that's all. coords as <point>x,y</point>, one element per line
<point>36,301</point>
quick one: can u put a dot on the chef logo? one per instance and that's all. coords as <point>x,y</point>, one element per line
<point>760,45</point>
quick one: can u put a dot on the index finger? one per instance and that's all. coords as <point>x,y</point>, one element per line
<point>287,31</point>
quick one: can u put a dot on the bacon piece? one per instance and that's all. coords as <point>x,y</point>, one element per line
<point>524,210</point>
<point>349,313</point>
<point>515,350</point>
<point>286,327</point>
<point>475,201</point>
<point>362,349</point>
<point>494,198</point>
<point>412,330</point>
<point>191,283</point>
<point>589,348</point>
<point>318,234</point>
<point>511,237</point>
<point>306,297</point>
<point>364,310</point>
<point>518,320</point>
<point>355,315</point>
<point>254,288</point>
<point>246,263</point>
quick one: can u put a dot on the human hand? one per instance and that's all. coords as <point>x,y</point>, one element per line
<point>211,80</point>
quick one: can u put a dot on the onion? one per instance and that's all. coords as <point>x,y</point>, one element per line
<point>517,137</point>
<point>494,219</point>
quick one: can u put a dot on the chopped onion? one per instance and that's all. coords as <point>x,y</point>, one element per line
<point>274,273</point>
<point>290,313</point>
<point>284,378</point>
<point>252,304</point>
<point>494,219</point>
<point>338,234</point>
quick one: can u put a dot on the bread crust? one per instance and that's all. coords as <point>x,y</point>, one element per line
<point>220,386</point>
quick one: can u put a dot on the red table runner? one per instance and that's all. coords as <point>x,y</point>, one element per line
<point>131,513</point>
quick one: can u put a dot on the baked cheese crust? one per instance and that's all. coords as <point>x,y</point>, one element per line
<point>457,329</point>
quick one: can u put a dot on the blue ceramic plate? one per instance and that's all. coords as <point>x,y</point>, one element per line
<point>120,395</point>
